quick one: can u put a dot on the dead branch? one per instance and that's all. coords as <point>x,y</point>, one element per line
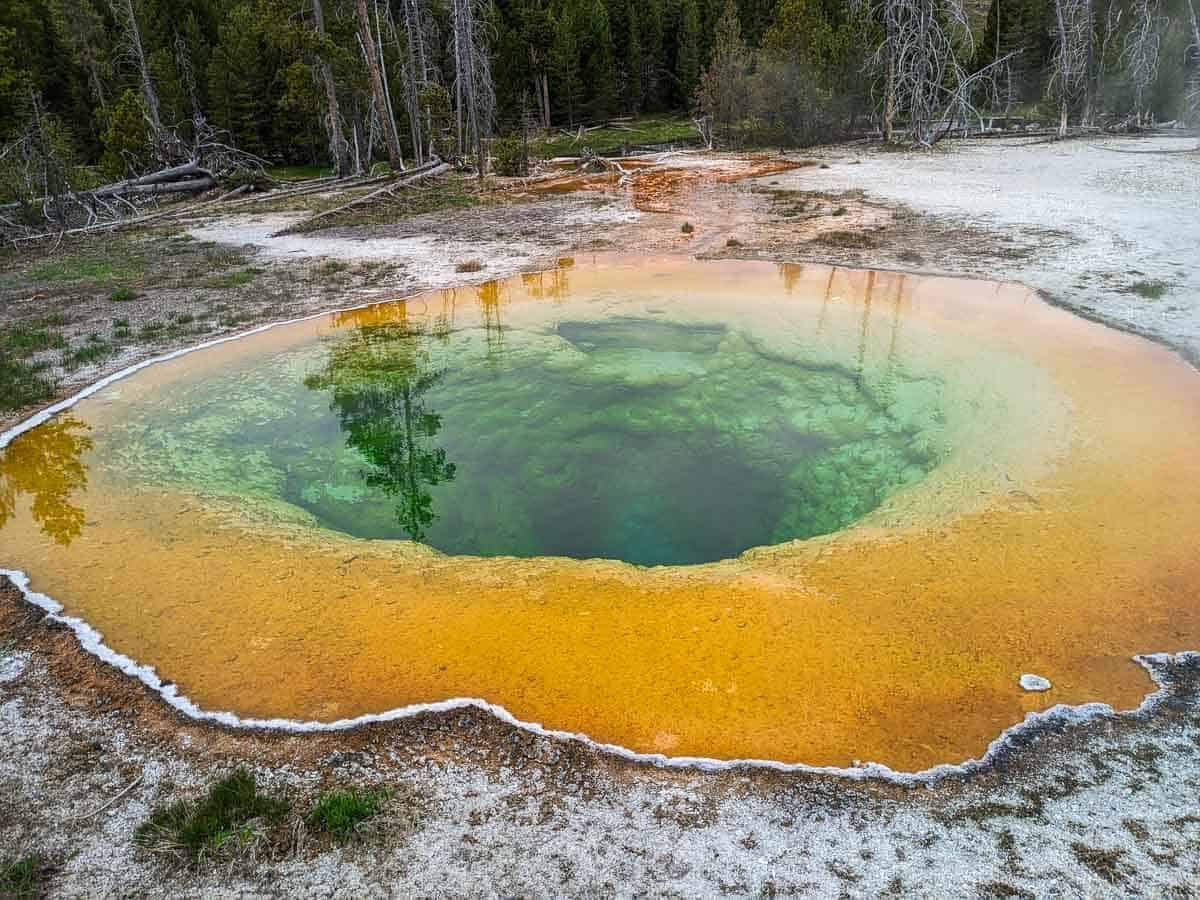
<point>431,169</point>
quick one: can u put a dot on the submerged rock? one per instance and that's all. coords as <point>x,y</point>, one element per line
<point>1035,682</point>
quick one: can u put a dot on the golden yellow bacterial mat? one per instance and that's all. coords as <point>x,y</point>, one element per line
<point>710,509</point>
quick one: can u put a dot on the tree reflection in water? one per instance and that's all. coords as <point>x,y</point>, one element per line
<point>377,375</point>
<point>46,462</point>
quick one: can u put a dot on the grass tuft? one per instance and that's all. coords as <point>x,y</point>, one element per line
<point>23,383</point>
<point>470,265</point>
<point>231,817</point>
<point>687,228</point>
<point>233,279</point>
<point>21,878</point>
<point>122,295</point>
<point>22,340</point>
<point>1149,290</point>
<point>341,813</point>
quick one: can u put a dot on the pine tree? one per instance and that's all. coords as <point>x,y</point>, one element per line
<point>687,59</point>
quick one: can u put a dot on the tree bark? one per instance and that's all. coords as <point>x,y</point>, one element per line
<point>338,146</point>
<point>391,139</point>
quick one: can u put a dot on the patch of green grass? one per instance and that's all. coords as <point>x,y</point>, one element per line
<point>113,265</point>
<point>341,813</point>
<point>650,130</point>
<point>1149,290</point>
<point>231,816</point>
<point>122,295</point>
<point>298,173</point>
<point>94,351</point>
<point>184,318</point>
<point>234,279</point>
<point>23,383</point>
<point>152,329</point>
<point>24,340</point>
<point>21,877</point>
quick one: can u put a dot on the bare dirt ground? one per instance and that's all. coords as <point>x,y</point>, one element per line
<point>1105,808</point>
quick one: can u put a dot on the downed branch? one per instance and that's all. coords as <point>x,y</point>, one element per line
<point>431,169</point>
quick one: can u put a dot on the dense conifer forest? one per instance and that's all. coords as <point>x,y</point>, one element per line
<point>124,86</point>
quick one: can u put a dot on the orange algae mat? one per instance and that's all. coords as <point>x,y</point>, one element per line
<point>1055,533</point>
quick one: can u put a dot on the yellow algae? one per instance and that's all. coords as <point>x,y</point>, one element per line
<point>1055,534</point>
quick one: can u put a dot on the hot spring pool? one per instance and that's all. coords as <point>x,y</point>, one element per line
<point>719,509</point>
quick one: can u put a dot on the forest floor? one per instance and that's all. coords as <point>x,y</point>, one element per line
<point>478,808</point>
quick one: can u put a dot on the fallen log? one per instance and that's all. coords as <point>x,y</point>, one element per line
<point>431,169</point>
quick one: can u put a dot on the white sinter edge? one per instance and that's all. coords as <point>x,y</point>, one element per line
<point>93,642</point>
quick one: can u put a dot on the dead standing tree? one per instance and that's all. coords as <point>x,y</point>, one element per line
<point>474,93</point>
<point>339,147</point>
<point>416,70</point>
<point>1069,72</point>
<point>382,105</point>
<point>1194,87</point>
<point>1143,45</point>
<point>922,60</point>
<point>128,50</point>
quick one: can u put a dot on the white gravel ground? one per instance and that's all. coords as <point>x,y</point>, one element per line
<point>1131,218</point>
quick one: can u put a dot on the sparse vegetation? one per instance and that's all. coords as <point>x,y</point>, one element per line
<point>649,131</point>
<point>122,295</point>
<point>233,816</point>
<point>469,265</point>
<point>342,813</point>
<point>23,381</point>
<point>233,279</point>
<point>25,340</point>
<point>1149,290</point>
<point>853,240</point>
<point>94,351</point>
<point>21,877</point>
<point>687,228</point>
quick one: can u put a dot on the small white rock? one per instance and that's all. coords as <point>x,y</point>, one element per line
<point>12,665</point>
<point>1035,682</point>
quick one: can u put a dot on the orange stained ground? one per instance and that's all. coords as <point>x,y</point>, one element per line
<point>657,188</point>
<point>1062,551</point>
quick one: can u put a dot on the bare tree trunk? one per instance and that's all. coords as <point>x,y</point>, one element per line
<point>387,89</point>
<point>130,44</point>
<point>415,74</point>
<point>367,42</point>
<point>889,100</point>
<point>472,78</point>
<point>338,148</point>
<point>1143,44</point>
